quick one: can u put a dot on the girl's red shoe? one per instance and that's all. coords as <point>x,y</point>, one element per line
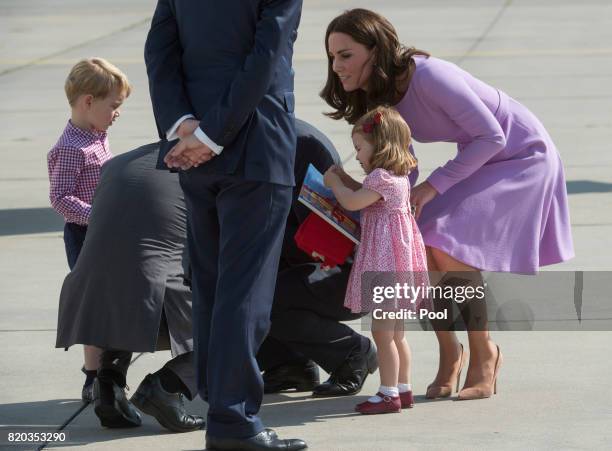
<point>407,399</point>
<point>387,405</point>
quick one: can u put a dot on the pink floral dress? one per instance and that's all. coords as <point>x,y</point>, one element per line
<point>390,243</point>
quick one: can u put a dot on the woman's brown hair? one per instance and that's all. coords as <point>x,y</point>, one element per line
<point>392,61</point>
<point>386,130</point>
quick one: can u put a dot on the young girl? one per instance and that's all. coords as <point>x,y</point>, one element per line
<point>390,244</point>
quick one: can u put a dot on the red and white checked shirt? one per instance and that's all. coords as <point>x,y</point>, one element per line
<point>74,171</point>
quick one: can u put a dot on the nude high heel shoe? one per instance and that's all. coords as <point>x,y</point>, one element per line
<point>484,390</point>
<point>444,391</point>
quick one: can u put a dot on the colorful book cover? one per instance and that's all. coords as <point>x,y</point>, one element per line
<point>320,199</point>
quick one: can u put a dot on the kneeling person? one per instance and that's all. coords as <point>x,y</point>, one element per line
<point>126,292</point>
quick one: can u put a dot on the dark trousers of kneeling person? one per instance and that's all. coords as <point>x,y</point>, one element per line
<point>306,329</point>
<point>160,394</point>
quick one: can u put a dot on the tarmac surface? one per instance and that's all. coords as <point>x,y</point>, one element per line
<point>554,56</point>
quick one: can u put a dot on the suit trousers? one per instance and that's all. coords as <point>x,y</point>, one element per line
<point>306,321</point>
<point>236,230</point>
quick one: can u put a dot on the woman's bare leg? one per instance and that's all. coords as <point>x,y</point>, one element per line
<point>449,347</point>
<point>483,352</point>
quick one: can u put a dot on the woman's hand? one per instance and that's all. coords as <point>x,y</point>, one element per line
<point>331,178</point>
<point>420,195</point>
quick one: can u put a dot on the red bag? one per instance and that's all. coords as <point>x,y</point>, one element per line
<point>322,241</point>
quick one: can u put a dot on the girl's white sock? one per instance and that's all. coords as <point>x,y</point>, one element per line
<point>403,388</point>
<point>387,391</point>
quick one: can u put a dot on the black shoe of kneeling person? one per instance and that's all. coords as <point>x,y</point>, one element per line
<point>350,377</point>
<point>265,440</point>
<point>301,377</point>
<point>112,407</point>
<point>167,408</point>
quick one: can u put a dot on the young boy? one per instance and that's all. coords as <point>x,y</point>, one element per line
<point>95,90</point>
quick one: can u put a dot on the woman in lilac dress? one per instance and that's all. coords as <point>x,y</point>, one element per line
<point>499,205</point>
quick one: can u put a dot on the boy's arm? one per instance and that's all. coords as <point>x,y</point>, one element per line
<point>64,169</point>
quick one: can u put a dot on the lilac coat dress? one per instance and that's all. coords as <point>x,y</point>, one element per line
<point>502,202</point>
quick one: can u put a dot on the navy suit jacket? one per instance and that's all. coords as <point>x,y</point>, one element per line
<point>229,63</point>
<point>313,147</point>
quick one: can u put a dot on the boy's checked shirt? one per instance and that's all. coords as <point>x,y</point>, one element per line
<point>74,171</point>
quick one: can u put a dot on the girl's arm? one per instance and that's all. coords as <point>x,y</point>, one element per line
<point>347,198</point>
<point>354,200</point>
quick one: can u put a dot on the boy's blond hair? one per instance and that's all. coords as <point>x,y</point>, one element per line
<point>386,130</point>
<point>97,77</point>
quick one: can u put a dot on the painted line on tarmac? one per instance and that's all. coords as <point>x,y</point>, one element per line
<point>43,59</point>
<point>28,330</point>
<point>501,53</point>
<point>486,32</point>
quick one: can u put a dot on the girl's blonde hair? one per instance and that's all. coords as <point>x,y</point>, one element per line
<point>96,77</point>
<point>386,130</point>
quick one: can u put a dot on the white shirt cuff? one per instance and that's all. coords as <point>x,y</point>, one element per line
<point>206,140</point>
<point>171,134</point>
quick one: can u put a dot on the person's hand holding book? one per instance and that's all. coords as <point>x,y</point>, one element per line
<point>347,180</point>
<point>331,178</point>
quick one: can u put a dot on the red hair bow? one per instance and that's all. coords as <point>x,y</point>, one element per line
<point>368,127</point>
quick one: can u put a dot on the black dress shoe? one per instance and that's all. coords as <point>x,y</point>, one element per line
<point>265,440</point>
<point>167,408</point>
<point>301,377</point>
<point>112,407</point>
<point>87,393</point>
<point>350,377</point>
<point>87,390</point>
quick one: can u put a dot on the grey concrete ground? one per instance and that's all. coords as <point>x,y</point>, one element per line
<point>555,56</point>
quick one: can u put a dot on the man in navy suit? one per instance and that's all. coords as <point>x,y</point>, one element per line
<point>221,81</point>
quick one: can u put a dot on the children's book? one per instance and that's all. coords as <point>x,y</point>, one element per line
<point>321,200</point>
